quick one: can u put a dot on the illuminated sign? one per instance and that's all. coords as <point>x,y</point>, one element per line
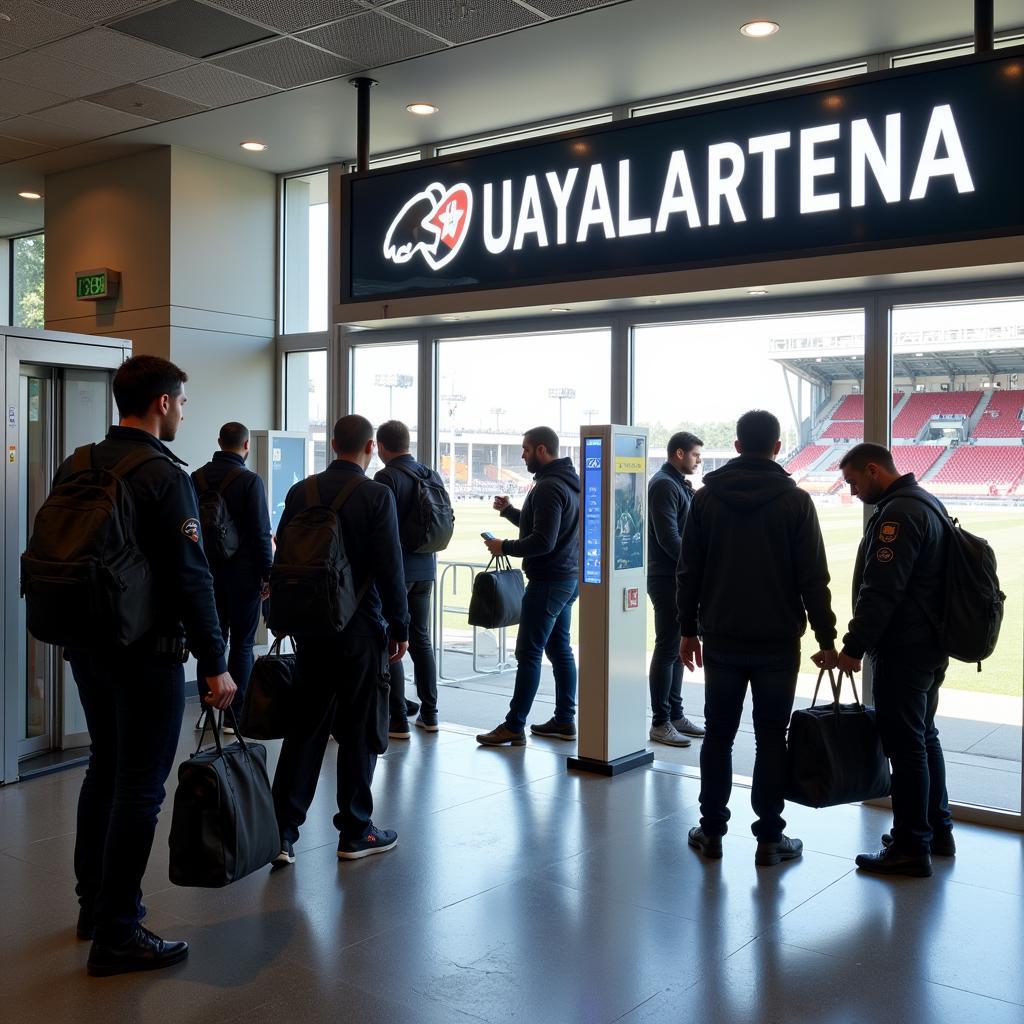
<point>593,530</point>
<point>923,154</point>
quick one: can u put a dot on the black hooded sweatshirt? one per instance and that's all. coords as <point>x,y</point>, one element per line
<point>752,569</point>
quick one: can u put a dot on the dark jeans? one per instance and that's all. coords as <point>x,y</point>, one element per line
<point>238,607</point>
<point>420,650</point>
<point>338,685</point>
<point>133,706</point>
<point>772,679</point>
<point>666,672</point>
<point>906,694</point>
<point>544,629</point>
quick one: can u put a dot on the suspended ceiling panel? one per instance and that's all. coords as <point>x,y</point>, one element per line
<point>115,53</point>
<point>209,85</point>
<point>292,15</point>
<point>38,70</point>
<point>286,63</point>
<point>192,28</point>
<point>371,39</point>
<point>459,21</point>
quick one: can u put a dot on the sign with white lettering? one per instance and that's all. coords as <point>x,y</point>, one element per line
<point>909,157</point>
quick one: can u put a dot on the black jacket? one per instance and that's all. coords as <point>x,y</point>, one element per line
<point>167,532</point>
<point>246,501</point>
<point>549,524</point>
<point>369,529</point>
<point>752,569</point>
<point>899,572</point>
<point>669,494</point>
<point>417,567</point>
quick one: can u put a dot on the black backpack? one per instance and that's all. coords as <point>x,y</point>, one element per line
<point>973,606</point>
<point>220,534</point>
<point>428,525</point>
<point>85,582</point>
<point>312,590</point>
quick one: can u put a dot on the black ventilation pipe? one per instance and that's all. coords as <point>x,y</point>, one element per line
<point>984,26</point>
<point>363,87</point>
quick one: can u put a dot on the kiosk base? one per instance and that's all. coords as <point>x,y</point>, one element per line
<point>616,767</point>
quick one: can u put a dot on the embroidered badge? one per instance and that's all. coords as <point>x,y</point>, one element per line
<point>888,532</point>
<point>190,528</point>
<point>884,554</point>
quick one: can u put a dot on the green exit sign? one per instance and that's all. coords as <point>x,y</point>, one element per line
<point>97,284</point>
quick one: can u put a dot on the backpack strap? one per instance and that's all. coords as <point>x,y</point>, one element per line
<point>200,478</point>
<point>346,492</point>
<point>406,469</point>
<point>81,459</point>
<point>132,462</point>
<point>311,492</point>
<point>229,478</point>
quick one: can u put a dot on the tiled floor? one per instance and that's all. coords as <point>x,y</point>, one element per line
<point>520,892</point>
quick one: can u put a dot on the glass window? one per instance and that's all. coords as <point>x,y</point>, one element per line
<point>524,133</point>
<point>28,256</point>
<point>395,160</point>
<point>953,50</point>
<point>960,427</point>
<point>384,380</point>
<point>304,257</point>
<point>305,405</point>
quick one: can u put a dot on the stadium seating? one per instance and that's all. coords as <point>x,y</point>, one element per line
<point>1001,417</point>
<point>805,457</point>
<point>850,408</point>
<point>915,458</point>
<point>844,430</point>
<point>980,470</point>
<point>925,405</point>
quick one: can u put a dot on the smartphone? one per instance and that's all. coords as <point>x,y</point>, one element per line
<point>487,535</point>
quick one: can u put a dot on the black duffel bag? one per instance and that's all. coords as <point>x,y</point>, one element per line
<point>835,755</point>
<point>270,695</point>
<point>223,826</point>
<point>497,595</point>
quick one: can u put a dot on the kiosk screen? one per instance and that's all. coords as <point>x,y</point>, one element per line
<point>630,494</point>
<point>593,539</point>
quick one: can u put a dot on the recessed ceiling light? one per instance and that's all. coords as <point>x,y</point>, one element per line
<point>759,29</point>
<point>451,319</point>
<point>423,109</point>
<point>30,195</point>
<point>757,291</point>
<point>559,309</point>
<point>254,147</point>
<point>4,17</point>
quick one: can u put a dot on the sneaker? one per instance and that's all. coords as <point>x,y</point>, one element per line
<point>411,707</point>
<point>398,729</point>
<point>709,846</point>
<point>376,840</point>
<point>287,854</point>
<point>890,861</point>
<point>500,735</point>
<point>785,848</point>
<point>556,730</point>
<point>666,733</point>
<point>943,843</point>
<point>687,728</point>
<point>144,951</point>
<point>428,721</point>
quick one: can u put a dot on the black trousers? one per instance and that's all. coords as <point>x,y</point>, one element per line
<point>237,589</point>
<point>133,705</point>
<point>421,650</point>
<point>666,672</point>
<point>341,682</point>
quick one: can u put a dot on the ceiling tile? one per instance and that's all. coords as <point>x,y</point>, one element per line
<point>17,149</point>
<point>460,21</point>
<point>40,71</point>
<point>292,15</point>
<point>92,117</point>
<point>143,102</point>
<point>9,51</point>
<point>209,85</point>
<point>32,24</point>
<point>115,53</point>
<point>371,40</point>
<point>94,10</point>
<point>560,8</point>
<point>22,99</point>
<point>193,28</point>
<point>32,129</point>
<point>286,63</point>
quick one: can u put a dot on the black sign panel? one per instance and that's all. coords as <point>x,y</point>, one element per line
<point>909,157</point>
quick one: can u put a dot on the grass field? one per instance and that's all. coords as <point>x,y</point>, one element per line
<point>841,525</point>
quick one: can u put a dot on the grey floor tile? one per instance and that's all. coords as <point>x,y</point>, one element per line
<point>1002,743</point>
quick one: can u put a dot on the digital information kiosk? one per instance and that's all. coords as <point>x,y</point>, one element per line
<point>613,605</point>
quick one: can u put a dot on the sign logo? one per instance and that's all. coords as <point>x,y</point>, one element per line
<point>433,223</point>
<point>884,554</point>
<point>889,532</point>
<point>190,528</point>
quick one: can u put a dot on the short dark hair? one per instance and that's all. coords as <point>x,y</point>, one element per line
<point>233,435</point>
<point>758,432</point>
<point>351,434</point>
<point>861,454</point>
<point>141,380</point>
<point>393,435</point>
<point>543,436</point>
<point>685,440</point>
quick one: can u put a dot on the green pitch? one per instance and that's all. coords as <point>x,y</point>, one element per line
<point>841,526</point>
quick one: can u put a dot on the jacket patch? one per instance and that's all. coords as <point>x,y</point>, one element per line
<point>884,554</point>
<point>888,532</point>
<point>190,528</point>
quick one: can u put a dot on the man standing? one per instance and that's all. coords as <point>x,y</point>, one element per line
<point>402,474</point>
<point>668,500</point>
<point>134,696</point>
<point>548,543</point>
<point>242,579</point>
<point>343,677</point>
<point>751,573</point>
<point>897,594</point>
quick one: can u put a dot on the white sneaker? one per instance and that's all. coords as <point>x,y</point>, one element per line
<point>668,735</point>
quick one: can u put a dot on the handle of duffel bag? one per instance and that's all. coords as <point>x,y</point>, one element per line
<point>853,686</point>
<point>217,718</point>
<point>500,562</point>
<point>831,683</point>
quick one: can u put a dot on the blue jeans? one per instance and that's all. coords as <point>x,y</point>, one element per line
<point>772,679</point>
<point>544,629</point>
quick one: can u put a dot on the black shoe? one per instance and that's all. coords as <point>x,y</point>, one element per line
<point>500,735</point>
<point>709,846</point>
<point>891,861</point>
<point>144,951</point>
<point>411,707</point>
<point>86,924</point>
<point>287,854</point>
<point>398,729</point>
<point>768,854</point>
<point>428,721</point>
<point>943,843</point>
<point>556,730</point>
<point>376,840</point>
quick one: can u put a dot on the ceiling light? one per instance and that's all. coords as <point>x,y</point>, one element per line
<point>451,319</point>
<point>559,309</point>
<point>4,17</point>
<point>254,147</point>
<point>30,195</point>
<point>423,109</point>
<point>759,29</point>
<point>757,291</point>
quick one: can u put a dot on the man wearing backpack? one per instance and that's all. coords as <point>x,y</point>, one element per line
<point>425,521</point>
<point>898,590</point>
<point>134,695</point>
<point>337,586</point>
<point>235,521</point>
